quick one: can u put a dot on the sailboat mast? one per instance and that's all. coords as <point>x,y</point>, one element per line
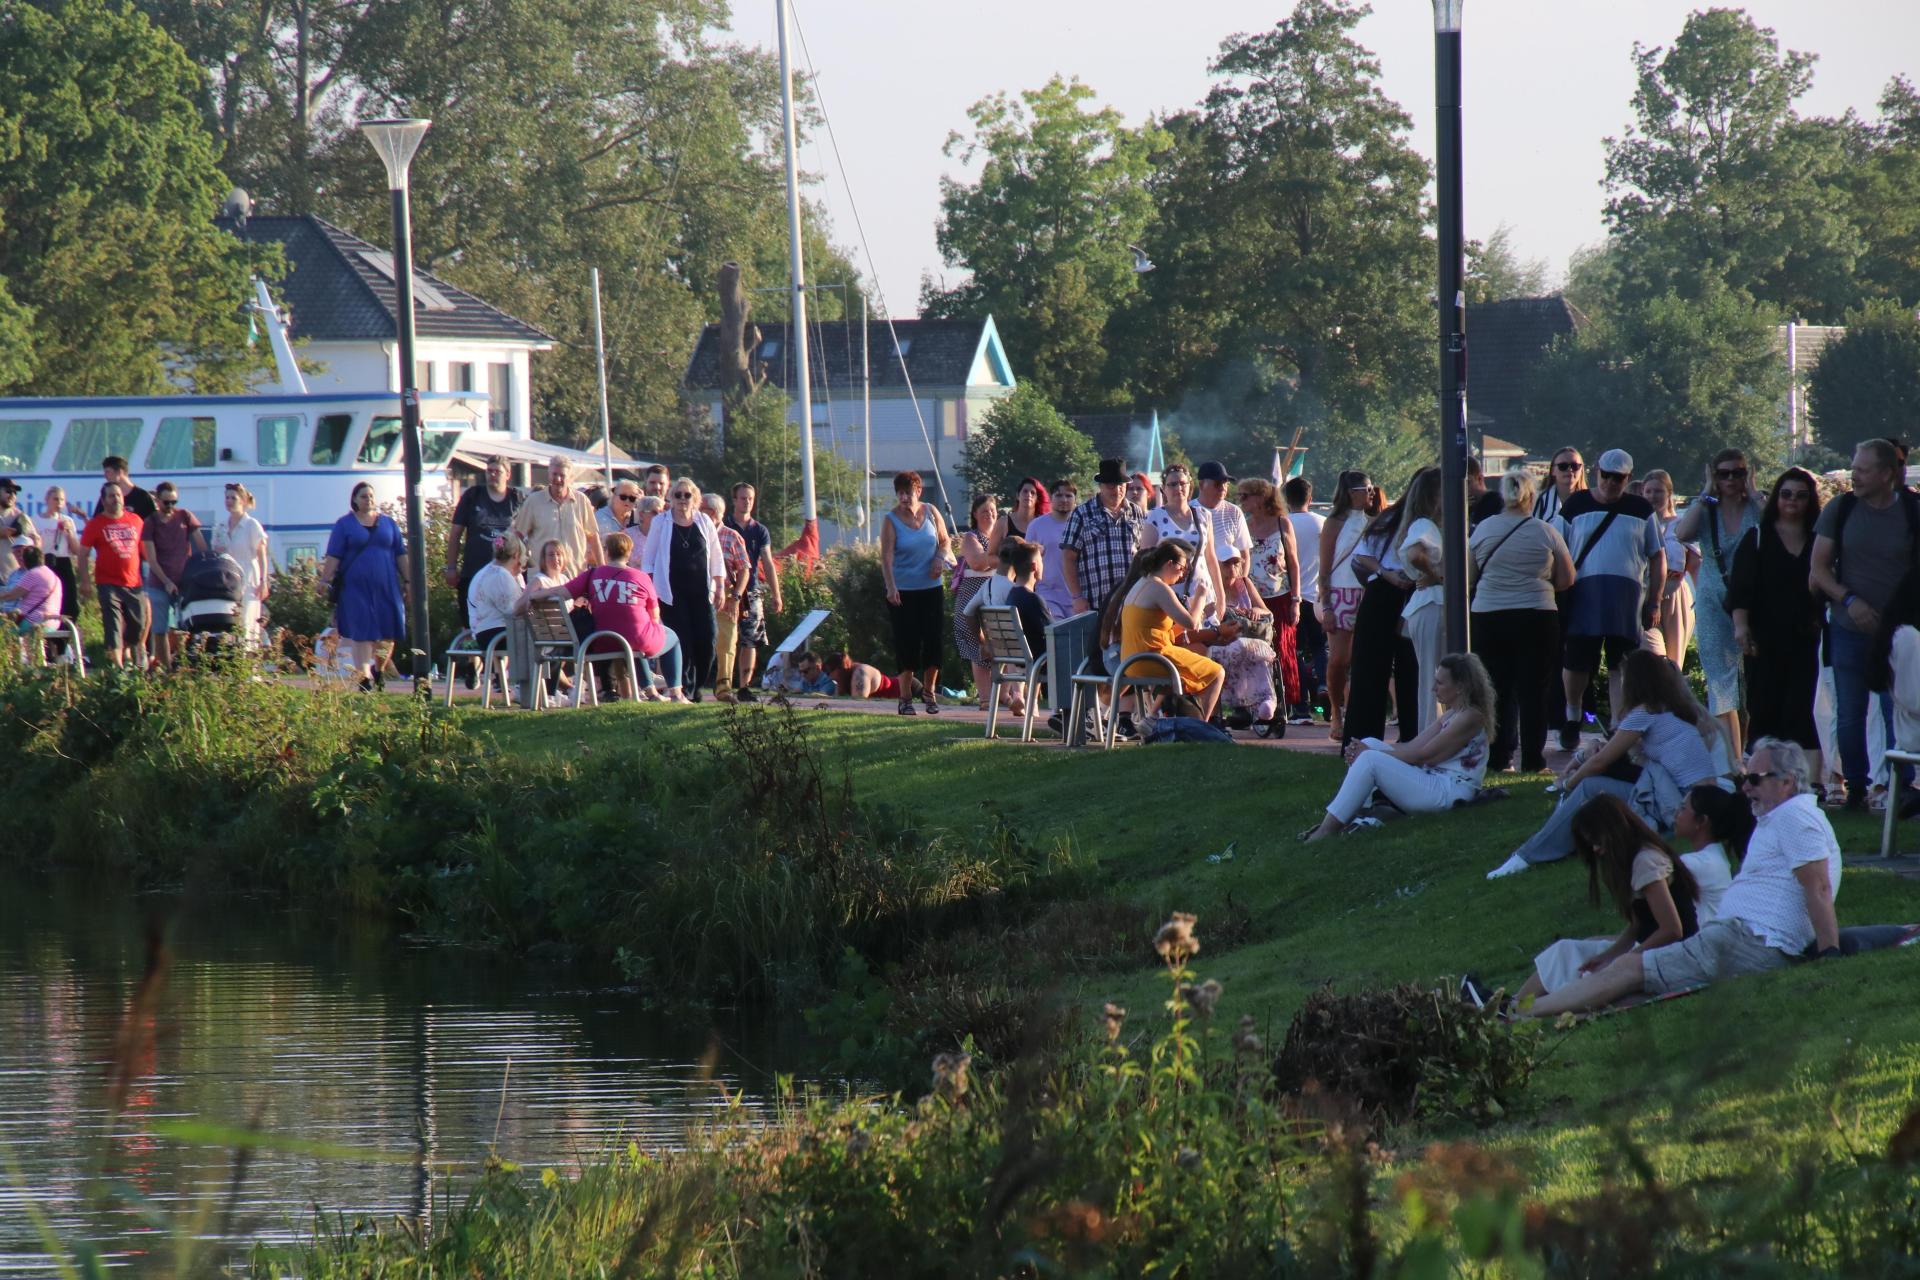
<point>797,331</point>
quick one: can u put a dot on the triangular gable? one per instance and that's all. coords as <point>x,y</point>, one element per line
<point>990,365</point>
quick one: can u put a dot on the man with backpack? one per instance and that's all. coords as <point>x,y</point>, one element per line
<point>1864,543</point>
<point>1617,549</point>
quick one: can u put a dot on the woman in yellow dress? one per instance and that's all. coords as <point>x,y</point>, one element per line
<point>1152,618</point>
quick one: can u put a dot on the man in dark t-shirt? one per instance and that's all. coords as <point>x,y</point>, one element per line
<point>481,518</point>
<point>136,500</point>
<point>763,576</point>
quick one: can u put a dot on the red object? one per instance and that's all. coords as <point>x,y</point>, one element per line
<point>887,688</point>
<point>806,547</point>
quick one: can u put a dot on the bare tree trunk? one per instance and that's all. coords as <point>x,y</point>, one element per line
<point>302,175</point>
<point>741,374</point>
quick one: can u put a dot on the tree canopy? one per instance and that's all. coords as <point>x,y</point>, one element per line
<point>1867,383</point>
<point>113,278</point>
<point>1024,435</point>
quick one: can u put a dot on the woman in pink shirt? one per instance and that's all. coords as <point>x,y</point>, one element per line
<point>624,602</point>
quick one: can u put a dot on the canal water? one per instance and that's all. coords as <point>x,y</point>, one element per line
<point>271,1021</point>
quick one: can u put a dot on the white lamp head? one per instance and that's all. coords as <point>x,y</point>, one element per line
<point>1446,15</point>
<point>396,141</point>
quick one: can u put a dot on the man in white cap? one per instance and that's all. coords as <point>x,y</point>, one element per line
<point>1615,540</point>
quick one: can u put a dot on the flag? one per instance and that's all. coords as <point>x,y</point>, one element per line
<point>1279,468</point>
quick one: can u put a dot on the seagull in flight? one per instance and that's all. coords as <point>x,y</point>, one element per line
<point>1141,262</point>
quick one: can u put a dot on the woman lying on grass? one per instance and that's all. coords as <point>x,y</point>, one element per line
<point>1435,771</point>
<point>1674,739</point>
<point>1653,889</point>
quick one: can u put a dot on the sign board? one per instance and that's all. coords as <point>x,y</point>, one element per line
<point>798,637</point>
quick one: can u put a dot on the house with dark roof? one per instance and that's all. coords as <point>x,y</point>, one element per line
<point>930,383</point>
<point>341,301</point>
<point>1505,341</point>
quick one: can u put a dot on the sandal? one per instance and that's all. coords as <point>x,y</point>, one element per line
<point>906,707</point>
<point>933,708</point>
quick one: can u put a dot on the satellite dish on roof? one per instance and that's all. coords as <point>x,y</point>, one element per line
<point>239,206</point>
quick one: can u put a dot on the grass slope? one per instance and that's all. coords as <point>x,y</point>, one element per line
<point>1819,1061</point>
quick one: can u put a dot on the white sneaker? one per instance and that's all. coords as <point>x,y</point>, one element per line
<point>1511,867</point>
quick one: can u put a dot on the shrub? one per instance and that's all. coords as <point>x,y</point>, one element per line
<point>1407,1051</point>
<point>848,581</point>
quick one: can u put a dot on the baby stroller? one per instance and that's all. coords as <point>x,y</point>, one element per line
<point>209,599</point>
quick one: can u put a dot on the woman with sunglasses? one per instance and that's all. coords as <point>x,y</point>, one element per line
<point>1568,475</point>
<point>1776,616</point>
<point>690,576</point>
<point>1717,521</point>
<point>1355,498</point>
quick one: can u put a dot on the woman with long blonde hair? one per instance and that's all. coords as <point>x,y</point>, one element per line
<point>1683,562</point>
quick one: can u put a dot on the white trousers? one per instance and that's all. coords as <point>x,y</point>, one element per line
<point>1408,787</point>
<point>1559,965</point>
<point>1427,630</point>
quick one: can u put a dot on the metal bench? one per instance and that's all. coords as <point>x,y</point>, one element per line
<point>585,687</point>
<point>493,659</point>
<point>1011,661</point>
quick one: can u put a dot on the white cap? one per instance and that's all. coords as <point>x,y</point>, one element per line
<point>1618,460</point>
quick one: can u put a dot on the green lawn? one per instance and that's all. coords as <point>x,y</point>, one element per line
<point>1821,1059</point>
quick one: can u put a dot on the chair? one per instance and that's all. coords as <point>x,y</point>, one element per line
<point>553,643</point>
<point>492,662</point>
<point>584,685</point>
<point>68,630</point>
<point>1136,684</point>
<point>1894,758</point>
<point>1011,662</point>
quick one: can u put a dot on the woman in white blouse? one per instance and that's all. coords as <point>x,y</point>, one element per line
<point>241,536</point>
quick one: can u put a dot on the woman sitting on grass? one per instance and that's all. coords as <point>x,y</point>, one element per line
<point>1653,889</point>
<point>1435,771</point>
<point>1676,741</point>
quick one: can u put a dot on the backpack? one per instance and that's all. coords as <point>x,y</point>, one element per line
<point>1909,503</point>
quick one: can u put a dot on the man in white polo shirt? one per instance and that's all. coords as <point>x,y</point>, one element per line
<point>1778,909</point>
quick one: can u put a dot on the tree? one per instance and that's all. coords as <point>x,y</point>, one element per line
<point>1867,383</point>
<point>1720,182</point>
<point>761,447</point>
<point>1290,245</point>
<point>1884,188</point>
<point>1671,381</point>
<point>1044,233</point>
<point>1024,435</point>
<point>113,278</point>
<point>1495,272</point>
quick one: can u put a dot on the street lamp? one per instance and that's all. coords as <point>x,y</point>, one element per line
<point>1453,322</point>
<point>396,141</point>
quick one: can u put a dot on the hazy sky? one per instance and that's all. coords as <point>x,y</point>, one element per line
<point>1546,81</point>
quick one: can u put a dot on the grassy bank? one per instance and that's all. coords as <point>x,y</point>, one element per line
<point>922,891</point>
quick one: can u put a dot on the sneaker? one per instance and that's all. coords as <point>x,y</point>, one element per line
<point>746,695</point>
<point>1570,737</point>
<point>1058,723</point>
<point>470,673</point>
<point>1876,800</point>
<point>1471,992</point>
<point>1511,867</point>
<point>1124,731</point>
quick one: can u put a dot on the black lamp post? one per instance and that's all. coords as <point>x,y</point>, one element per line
<point>1453,322</point>
<point>396,141</point>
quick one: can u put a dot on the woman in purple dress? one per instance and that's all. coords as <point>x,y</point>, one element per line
<point>367,558</point>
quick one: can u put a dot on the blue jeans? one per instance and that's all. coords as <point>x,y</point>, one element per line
<point>1849,652</point>
<point>1554,839</point>
<point>668,658</point>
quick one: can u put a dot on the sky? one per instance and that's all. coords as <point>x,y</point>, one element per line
<point>1545,82</point>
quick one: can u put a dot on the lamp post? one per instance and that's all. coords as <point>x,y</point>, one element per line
<point>1453,322</point>
<point>396,141</point>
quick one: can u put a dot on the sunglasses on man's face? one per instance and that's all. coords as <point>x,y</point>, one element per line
<point>1568,466</point>
<point>1613,476</point>
<point>167,502</point>
<point>1755,779</point>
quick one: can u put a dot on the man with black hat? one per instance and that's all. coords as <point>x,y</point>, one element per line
<point>16,526</point>
<point>1097,546</point>
<point>1230,535</point>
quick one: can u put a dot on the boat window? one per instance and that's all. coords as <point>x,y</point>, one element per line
<point>181,444</point>
<point>88,440</point>
<point>383,441</point>
<point>330,439</point>
<point>437,445</point>
<point>276,439</point>
<point>21,442</point>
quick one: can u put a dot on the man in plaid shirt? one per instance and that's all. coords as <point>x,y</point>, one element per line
<point>733,550</point>
<point>1097,546</point>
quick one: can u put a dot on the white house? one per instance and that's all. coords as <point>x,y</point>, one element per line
<point>957,370</point>
<point>339,293</point>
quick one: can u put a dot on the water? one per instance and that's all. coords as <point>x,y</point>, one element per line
<point>276,1022</point>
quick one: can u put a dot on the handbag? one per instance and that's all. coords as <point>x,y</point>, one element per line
<point>338,584</point>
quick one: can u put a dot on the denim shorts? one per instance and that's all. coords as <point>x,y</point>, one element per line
<point>159,610</point>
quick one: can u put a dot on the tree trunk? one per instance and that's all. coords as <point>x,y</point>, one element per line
<point>741,374</point>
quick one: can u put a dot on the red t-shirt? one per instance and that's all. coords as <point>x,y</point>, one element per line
<point>115,542</point>
<point>623,601</point>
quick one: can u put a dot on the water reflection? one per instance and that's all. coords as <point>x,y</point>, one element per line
<point>274,1022</point>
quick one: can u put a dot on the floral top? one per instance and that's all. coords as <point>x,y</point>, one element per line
<point>1268,570</point>
<point>1469,764</point>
